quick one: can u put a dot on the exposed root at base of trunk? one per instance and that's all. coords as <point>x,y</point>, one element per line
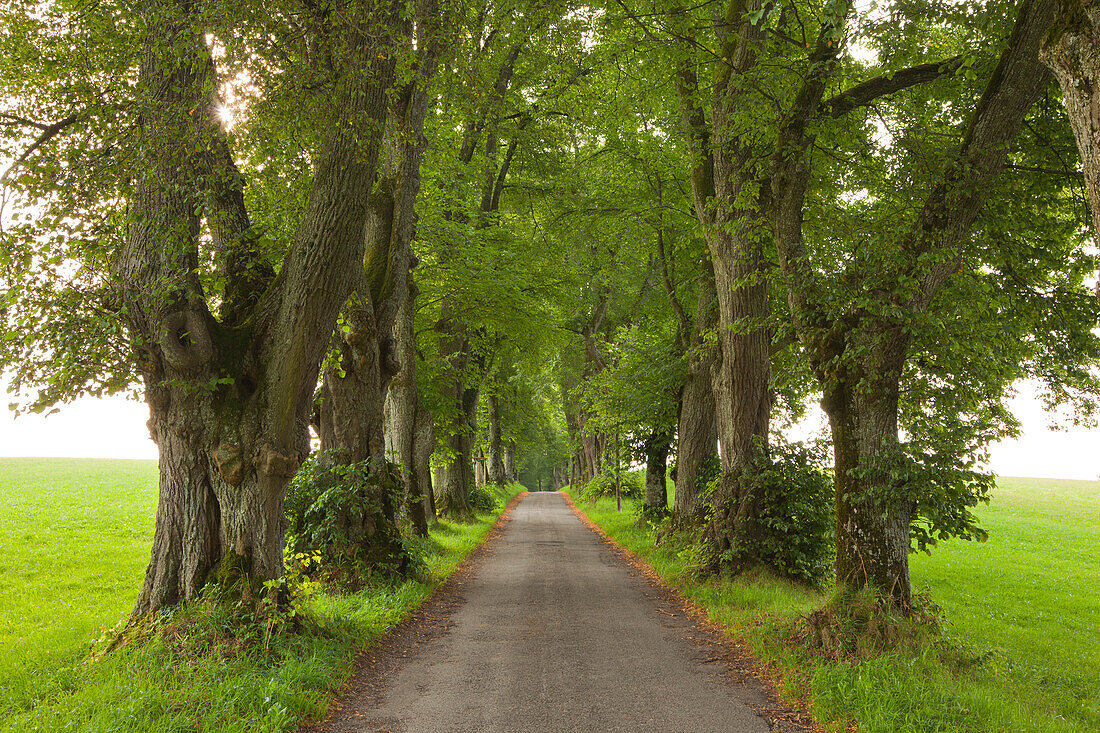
<point>861,624</point>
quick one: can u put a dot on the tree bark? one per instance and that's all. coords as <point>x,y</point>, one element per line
<point>1072,51</point>
<point>497,474</point>
<point>401,411</point>
<point>423,447</point>
<point>230,402</point>
<point>872,522</point>
<point>697,423</point>
<point>655,503</point>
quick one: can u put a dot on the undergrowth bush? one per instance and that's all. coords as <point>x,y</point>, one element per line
<point>799,516</point>
<point>346,516</point>
<point>798,539</point>
<point>603,484</point>
<point>485,498</point>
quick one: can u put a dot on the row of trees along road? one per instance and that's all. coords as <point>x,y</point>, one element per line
<point>539,235</point>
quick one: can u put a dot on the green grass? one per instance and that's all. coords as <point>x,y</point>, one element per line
<point>1030,596</point>
<point>1021,651</point>
<point>75,536</point>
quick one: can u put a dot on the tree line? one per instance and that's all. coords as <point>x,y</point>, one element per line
<point>492,240</point>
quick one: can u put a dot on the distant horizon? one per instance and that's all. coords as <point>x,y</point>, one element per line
<point>115,428</point>
<point>154,460</point>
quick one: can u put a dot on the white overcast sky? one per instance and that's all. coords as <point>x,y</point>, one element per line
<point>115,428</point>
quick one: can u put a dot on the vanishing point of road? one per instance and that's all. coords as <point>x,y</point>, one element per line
<point>553,632</point>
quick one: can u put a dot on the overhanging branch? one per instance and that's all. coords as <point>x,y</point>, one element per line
<point>866,92</point>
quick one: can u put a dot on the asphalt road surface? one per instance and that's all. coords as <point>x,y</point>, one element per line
<point>554,632</point>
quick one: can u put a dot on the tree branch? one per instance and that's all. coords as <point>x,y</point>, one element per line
<point>13,120</point>
<point>868,91</point>
<point>48,133</point>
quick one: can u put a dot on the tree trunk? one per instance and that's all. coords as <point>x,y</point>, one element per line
<point>741,379</point>
<point>401,412</point>
<point>510,462</point>
<point>458,475</point>
<point>353,394</point>
<point>439,477</point>
<point>872,524</point>
<point>230,402</point>
<point>697,431</point>
<point>481,475</point>
<point>423,447</point>
<point>655,504</point>
<point>726,205</point>
<point>1072,51</point>
<point>497,474</point>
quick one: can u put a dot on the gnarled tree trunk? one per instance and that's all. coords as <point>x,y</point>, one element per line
<point>230,401</point>
<point>655,502</point>
<point>497,474</point>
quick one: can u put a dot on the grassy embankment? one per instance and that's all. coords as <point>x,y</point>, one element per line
<point>1020,650</point>
<point>75,538</point>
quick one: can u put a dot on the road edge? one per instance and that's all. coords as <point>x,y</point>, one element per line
<point>740,661</point>
<point>374,664</point>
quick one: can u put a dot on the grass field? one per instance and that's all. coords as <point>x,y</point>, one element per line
<point>1022,648</point>
<point>75,536</point>
<point>74,541</point>
<point>1030,596</point>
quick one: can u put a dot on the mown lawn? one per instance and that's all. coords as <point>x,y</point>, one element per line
<point>1029,598</point>
<point>74,540</point>
<point>75,536</point>
<point>1022,649</point>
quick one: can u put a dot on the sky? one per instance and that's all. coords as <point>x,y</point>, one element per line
<point>115,428</point>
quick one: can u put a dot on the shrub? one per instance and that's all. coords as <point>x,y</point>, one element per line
<point>798,535</point>
<point>797,494</point>
<point>631,486</point>
<point>345,514</point>
<point>485,498</point>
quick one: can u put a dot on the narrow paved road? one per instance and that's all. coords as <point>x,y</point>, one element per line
<point>555,633</point>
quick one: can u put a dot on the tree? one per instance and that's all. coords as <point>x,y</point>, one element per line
<point>228,351</point>
<point>861,324</point>
<point>1073,54</point>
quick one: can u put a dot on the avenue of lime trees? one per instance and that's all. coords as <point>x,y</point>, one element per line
<point>466,242</point>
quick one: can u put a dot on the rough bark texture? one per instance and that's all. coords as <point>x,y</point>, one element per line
<point>497,474</point>
<point>872,525</point>
<point>742,370</point>
<point>859,355</point>
<point>229,447</point>
<point>655,502</point>
<point>697,423</point>
<point>1072,51</point>
<point>401,413</point>
<point>423,447</point>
